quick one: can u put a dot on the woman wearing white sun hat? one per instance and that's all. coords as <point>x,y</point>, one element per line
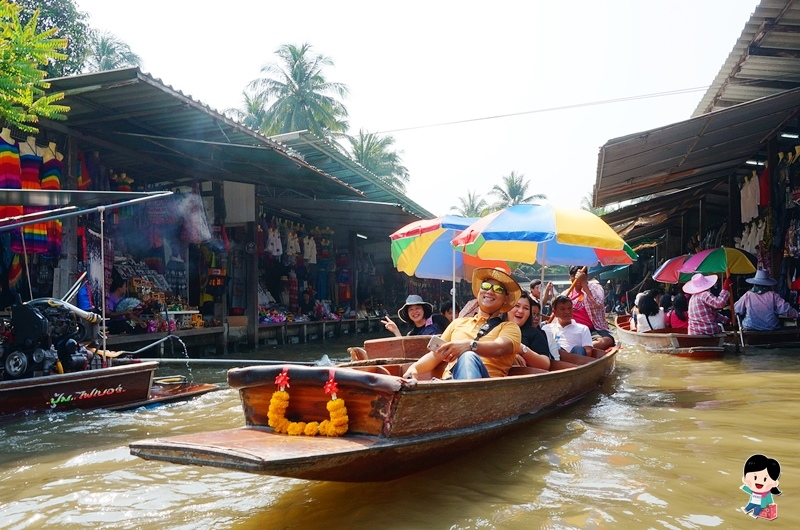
<point>761,306</point>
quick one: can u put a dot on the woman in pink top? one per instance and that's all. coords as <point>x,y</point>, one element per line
<point>678,317</point>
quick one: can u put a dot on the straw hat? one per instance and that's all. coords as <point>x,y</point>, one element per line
<point>761,278</point>
<point>414,299</point>
<point>513,290</point>
<point>699,283</point>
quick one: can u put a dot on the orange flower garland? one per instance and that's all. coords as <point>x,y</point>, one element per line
<point>337,425</point>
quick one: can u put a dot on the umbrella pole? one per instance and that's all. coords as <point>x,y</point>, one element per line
<point>454,282</point>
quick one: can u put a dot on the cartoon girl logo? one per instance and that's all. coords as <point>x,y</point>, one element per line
<point>761,482</point>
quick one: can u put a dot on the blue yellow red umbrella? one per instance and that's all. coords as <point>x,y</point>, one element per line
<point>545,234</point>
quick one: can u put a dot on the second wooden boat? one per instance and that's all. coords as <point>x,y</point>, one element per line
<point>395,427</point>
<point>670,341</point>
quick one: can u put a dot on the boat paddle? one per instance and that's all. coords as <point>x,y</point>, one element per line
<point>734,316</point>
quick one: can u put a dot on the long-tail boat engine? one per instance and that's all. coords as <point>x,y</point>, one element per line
<point>44,336</point>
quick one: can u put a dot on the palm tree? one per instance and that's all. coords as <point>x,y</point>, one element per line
<point>375,154</point>
<point>253,113</point>
<point>107,52</point>
<point>514,191</point>
<point>472,205</point>
<point>586,204</point>
<point>302,99</point>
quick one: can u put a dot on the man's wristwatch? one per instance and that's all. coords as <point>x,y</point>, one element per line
<point>474,345</point>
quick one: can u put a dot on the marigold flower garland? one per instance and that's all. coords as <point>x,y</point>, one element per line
<point>337,425</point>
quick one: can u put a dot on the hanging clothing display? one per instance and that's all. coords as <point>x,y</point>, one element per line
<point>34,235</point>
<point>52,168</point>
<point>10,178</point>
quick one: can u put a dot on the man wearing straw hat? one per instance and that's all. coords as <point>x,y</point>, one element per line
<point>703,305</point>
<point>761,305</point>
<point>481,345</point>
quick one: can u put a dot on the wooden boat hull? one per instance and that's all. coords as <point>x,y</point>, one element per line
<point>118,387</point>
<point>765,339</point>
<point>670,342</point>
<point>396,426</point>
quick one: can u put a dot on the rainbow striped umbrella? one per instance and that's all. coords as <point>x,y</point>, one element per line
<point>669,271</point>
<point>720,260</point>
<point>547,234</point>
<point>423,249</point>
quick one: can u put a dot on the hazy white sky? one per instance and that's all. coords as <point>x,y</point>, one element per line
<point>416,63</point>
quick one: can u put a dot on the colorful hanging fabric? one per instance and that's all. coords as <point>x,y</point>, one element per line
<point>34,235</point>
<point>10,178</point>
<point>52,168</point>
<point>84,179</point>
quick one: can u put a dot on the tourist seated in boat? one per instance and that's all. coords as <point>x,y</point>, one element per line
<point>635,310</point>
<point>650,316</point>
<point>536,346</point>
<point>482,345</point>
<point>678,316</point>
<point>665,302</point>
<point>543,294</point>
<point>444,316</point>
<point>703,305</point>
<point>570,335</point>
<point>416,312</point>
<point>761,306</point>
<point>589,309</point>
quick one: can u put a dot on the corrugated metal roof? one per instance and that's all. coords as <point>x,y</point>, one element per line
<point>701,149</point>
<point>327,157</point>
<point>156,133</point>
<point>765,59</point>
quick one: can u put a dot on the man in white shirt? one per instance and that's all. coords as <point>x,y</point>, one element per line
<point>570,336</point>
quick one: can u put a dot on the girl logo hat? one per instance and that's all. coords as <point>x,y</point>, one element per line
<point>414,299</point>
<point>513,290</point>
<point>699,283</point>
<point>761,278</point>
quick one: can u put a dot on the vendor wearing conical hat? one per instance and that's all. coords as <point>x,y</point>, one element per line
<point>482,345</point>
<point>703,305</point>
<point>761,306</point>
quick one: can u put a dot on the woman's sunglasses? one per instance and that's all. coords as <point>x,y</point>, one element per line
<point>499,289</point>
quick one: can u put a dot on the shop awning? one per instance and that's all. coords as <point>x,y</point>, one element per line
<point>699,150</point>
<point>60,204</point>
<point>159,136</point>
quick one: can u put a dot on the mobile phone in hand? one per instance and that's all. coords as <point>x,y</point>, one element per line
<point>435,342</point>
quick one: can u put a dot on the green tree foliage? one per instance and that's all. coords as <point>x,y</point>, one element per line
<point>300,95</point>
<point>375,153</point>
<point>253,113</point>
<point>23,52</point>
<point>586,204</point>
<point>473,205</point>
<point>107,52</point>
<point>514,190</point>
<point>70,24</point>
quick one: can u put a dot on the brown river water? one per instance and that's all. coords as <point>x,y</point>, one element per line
<point>661,445</point>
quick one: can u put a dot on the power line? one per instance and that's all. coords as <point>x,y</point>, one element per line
<point>552,109</point>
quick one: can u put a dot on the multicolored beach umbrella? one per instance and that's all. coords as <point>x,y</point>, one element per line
<point>720,260</point>
<point>545,234</point>
<point>669,271</point>
<point>423,249</point>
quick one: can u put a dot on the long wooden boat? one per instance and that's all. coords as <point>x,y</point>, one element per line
<point>778,338</point>
<point>115,388</point>
<point>670,341</point>
<point>396,426</point>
